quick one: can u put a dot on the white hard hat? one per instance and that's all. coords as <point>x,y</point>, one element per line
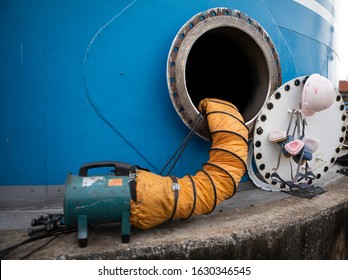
<point>318,94</point>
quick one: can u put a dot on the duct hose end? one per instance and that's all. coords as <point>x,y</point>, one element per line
<point>222,53</point>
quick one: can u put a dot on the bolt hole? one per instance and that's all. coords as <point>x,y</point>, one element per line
<point>259,131</point>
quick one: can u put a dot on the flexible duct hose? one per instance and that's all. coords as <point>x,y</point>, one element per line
<point>160,199</point>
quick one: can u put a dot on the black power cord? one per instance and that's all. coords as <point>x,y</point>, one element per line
<point>37,249</point>
<point>182,146</point>
<point>54,233</point>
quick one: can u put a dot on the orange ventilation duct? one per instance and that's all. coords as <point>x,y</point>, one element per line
<point>163,198</point>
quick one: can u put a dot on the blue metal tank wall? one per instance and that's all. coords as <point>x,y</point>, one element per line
<point>85,81</point>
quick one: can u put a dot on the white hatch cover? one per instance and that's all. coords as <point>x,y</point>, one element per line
<point>325,130</point>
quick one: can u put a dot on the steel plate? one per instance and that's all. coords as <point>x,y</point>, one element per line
<point>328,126</point>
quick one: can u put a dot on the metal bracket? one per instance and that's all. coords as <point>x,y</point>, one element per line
<point>175,187</point>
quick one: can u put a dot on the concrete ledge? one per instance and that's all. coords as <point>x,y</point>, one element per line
<point>254,224</point>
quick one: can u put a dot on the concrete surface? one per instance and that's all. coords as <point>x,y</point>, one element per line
<point>254,224</point>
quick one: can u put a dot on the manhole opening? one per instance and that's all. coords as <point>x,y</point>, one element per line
<point>227,63</point>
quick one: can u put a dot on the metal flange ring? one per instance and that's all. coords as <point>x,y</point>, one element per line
<point>222,53</point>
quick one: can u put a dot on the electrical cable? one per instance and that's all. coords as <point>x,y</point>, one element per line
<point>56,233</point>
<point>37,249</point>
<point>182,146</point>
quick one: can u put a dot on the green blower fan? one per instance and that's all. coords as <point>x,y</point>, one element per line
<point>99,199</point>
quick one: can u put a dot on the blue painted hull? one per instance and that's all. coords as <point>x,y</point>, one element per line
<point>85,81</point>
